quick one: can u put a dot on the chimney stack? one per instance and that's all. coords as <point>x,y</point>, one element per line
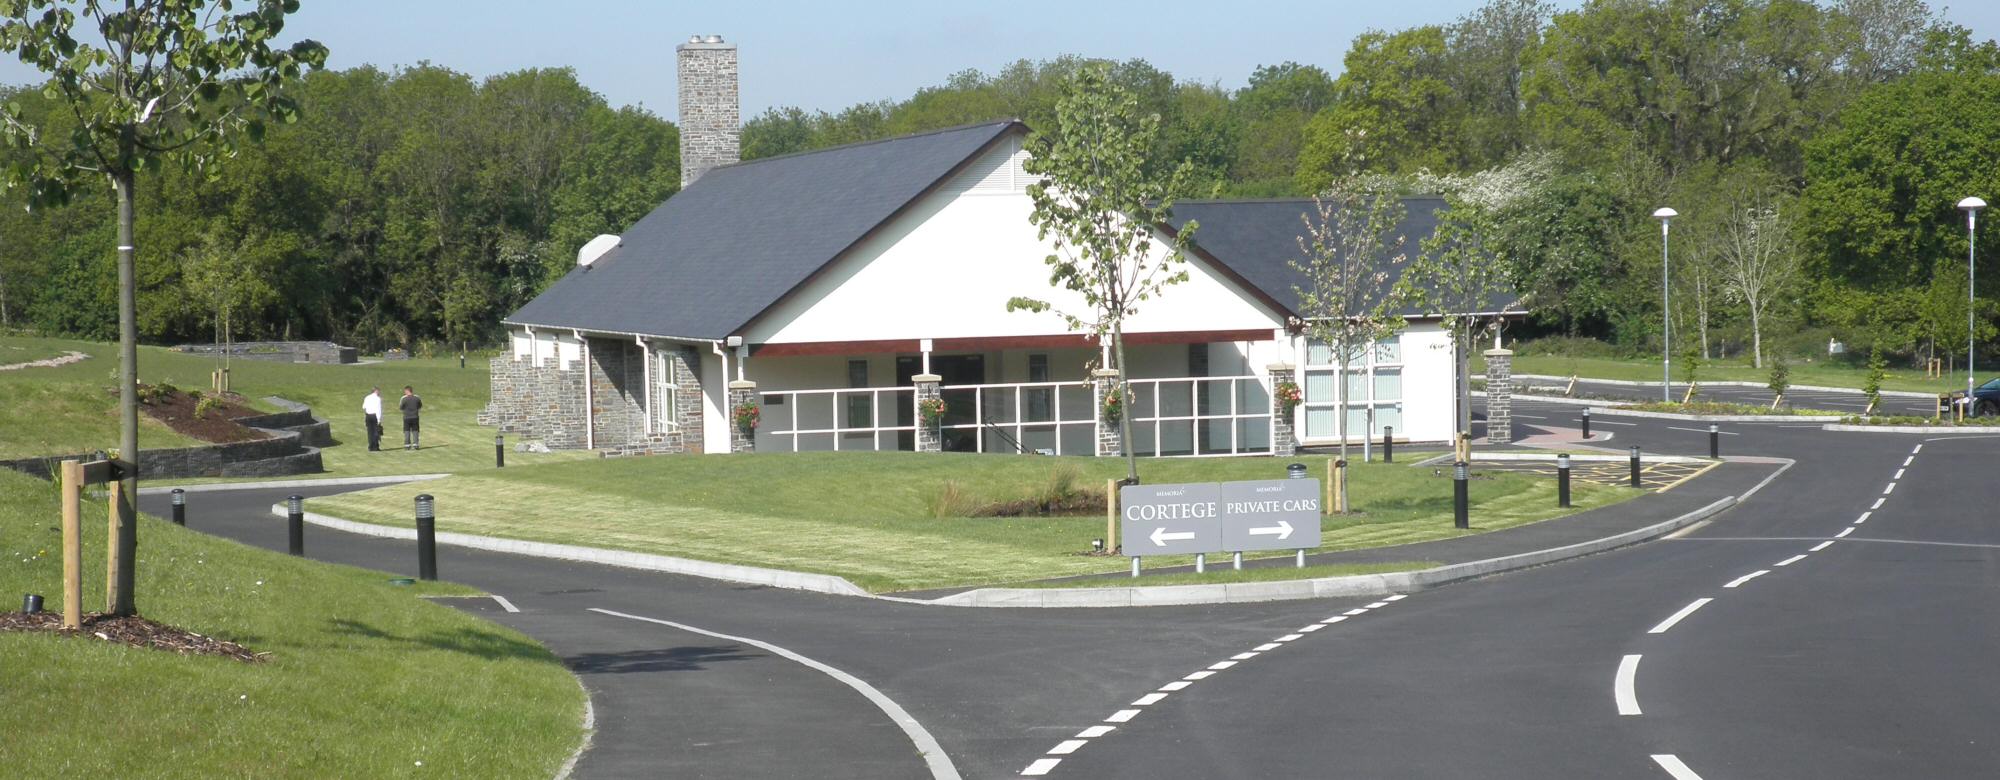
<point>711,130</point>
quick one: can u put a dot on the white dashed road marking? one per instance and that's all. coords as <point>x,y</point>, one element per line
<point>1095,731</point>
<point>1863,518</point>
<point>1791,560</point>
<point>504,603</point>
<point>1747,577</point>
<point>1621,686</point>
<point>1899,474</point>
<point>1890,489</point>
<point>1122,716</point>
<point>1842,535</point>
<point>1067,747</point>
<point>1040,767</point>
<point>1677,616</point>
<point>1827,543</point>
<point>1877,504</point>
<point>1148,700</point>
<point>1675,768</point>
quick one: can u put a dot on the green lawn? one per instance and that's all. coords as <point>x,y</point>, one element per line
<point>20,349</point>
<point>1648,370</point>
<point>73,408</point>
<point>863,515</point>
<point>364,679</point>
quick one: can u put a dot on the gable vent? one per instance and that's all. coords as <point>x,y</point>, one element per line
<point>997,172</point>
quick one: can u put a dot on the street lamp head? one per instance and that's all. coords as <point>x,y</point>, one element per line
<point>1972,204</point>
<point>1665,214</point>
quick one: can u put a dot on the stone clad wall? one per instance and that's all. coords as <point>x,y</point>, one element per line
<point>544,402</point>
<point>547,404</point>
<point>292,447</point>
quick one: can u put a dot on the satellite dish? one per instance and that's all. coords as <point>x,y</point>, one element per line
<point>596,248</point>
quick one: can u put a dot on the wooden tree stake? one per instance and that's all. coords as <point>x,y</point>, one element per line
<point>111,538</point>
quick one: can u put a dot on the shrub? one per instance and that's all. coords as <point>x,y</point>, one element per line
<point>947,500</point>
<point>1059,488</point>
<point>207,405</point>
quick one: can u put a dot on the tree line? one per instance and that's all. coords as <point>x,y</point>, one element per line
<point>401,206</point>
<point>1813,150</point>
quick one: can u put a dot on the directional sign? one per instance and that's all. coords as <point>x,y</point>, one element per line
<point>1171,519</point>
<point>1270,514</point>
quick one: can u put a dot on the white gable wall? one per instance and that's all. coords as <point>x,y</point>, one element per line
<point>946,268</point>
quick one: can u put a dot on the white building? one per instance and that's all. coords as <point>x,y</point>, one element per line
<point>828,285</point>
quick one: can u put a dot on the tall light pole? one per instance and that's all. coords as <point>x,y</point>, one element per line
<point>1666,218</point>
<point>1971,206</point>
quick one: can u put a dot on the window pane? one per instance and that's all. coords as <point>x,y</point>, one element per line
<point>1357,421</point>
<point>857,373</point>
<point>1389,415</point>
<point>1319,423</point>
<point>1390,350</point>
<point>1319,386</point>
<point>1319,354</point>
<point>1388,384</point>
<point>1357,387</point>
<point>1038,368</point>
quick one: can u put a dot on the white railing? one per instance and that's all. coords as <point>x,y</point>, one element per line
<point>1049,418</point>
<point>1201,416</point>
<point>824,410</point>
<point>1170,417</point>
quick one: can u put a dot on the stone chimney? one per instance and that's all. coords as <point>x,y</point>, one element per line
<point>711,133</point>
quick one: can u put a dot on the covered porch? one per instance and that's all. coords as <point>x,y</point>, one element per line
<point>1193,394</point>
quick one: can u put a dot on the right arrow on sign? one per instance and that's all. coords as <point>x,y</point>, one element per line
<point>1283,530</point>
<point>1161,537</point>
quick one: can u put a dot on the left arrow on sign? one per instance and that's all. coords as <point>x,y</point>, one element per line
<point>1161,537</point>
<point>1283,530</point>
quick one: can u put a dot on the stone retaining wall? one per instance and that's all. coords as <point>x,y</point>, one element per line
<point>324,352</point>
<point>292,447</point>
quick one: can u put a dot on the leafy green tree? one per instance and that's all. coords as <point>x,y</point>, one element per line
<point>1877,371</point>
<point>1394,111</point>
<point>1272,112</point>
<point>1781,375</point>
<point>154,79</point>
<point>1463,275</point>
<point>230,281</point>
<point>1348,253</point>
<point>1098,200</point>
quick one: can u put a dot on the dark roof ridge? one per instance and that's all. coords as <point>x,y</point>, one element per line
<point>873,141</point>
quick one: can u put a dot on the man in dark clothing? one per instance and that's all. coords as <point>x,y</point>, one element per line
<point>410,404</point>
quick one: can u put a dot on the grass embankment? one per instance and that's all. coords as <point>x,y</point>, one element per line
<point>864,516</point>
<point>21,349</point>
<point>364,679</point>
<point>1819,374</point>
<point>73,408</point>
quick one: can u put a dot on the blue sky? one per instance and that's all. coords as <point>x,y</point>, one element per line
<point>829,55</point>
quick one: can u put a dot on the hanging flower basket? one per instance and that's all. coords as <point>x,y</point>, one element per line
<point>1114,404</point>
<point>1288,396</point>
<point>747,415</point>
<point>931,410</point>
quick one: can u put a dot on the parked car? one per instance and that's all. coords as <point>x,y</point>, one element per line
<point>1986,399</point>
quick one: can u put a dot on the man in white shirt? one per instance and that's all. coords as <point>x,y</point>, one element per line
<point>371,411</point>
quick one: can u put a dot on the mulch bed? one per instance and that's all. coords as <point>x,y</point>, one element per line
<point>134,631</point>
<point>218,426</point>
<point>1077,505</point>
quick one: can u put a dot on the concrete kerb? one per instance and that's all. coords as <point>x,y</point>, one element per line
<point>1359,585</point>
<point>730,572</point>
<point>291,483</point>
<point>1127,596</point>
<point>1719,417</point>
<point>1974,430</point>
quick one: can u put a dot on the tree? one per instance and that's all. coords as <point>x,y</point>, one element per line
<point>159,79</point>
<point>1877,371</point>
<point>1759,259</point>
<point>1098,198</point>
<point>1348,252</point>
<point>1462,276</point>
<point>228,280</point>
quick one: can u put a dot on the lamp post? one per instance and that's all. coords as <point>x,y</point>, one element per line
<point>1971,206</point>
<point>1666,218</point>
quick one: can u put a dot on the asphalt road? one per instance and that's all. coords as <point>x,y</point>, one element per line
<point>1865,658</point>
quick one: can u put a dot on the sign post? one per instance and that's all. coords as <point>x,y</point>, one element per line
<point>1235,517</point>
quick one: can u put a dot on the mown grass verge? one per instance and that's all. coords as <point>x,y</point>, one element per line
<point>73,408</point>
<point>1219,573</point>
<point>869,516</point>
<point>1819,374</point>
<point>1721,409</point>
<point>364,679</point>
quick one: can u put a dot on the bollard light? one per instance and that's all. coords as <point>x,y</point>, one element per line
<point>1097,545</point>
<point>1460,497</point>
<point>1388,444</point>
<point>499,450</point>
<point>1562,480</point>
<point>31,603</point>
<point>1295,471</point>
<point>180,497</point>
<point>426,537</point>
<point>180,507</point>
<point>1586,422</point>
<point>1635,466</point>
<point>295,524</point>
<point>1714,441</point>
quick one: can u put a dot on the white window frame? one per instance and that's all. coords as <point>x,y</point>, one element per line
<point>666,393</point>
<point>1363,369</point>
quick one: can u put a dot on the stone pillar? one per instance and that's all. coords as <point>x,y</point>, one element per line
<point>1284,433</point>
<point>1109,444</point>
<point>1499,396</point>
<point>929,438</point>
<point>740,393</point>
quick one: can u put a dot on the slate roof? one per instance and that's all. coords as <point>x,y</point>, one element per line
<point>1258,239</point>
<point>743,236</point>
